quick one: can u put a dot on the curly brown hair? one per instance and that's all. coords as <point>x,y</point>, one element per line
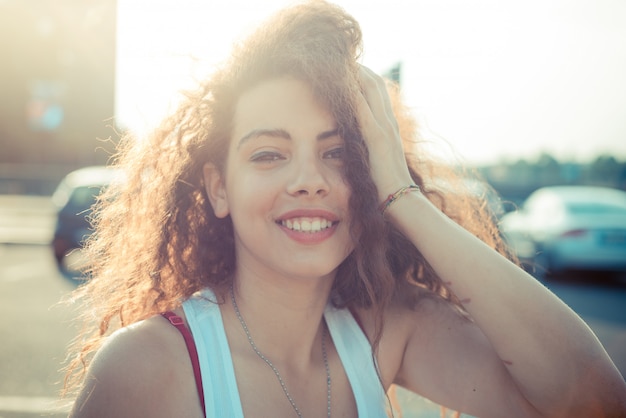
<point>157,240</point>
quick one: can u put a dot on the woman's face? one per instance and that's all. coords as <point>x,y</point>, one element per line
<point>283,185</point>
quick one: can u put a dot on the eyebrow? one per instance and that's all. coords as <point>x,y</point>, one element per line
<point>281,133</point>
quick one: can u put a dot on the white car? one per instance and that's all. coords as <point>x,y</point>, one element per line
<point>563,228</point>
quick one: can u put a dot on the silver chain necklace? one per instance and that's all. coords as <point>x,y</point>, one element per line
<point>274,369</point>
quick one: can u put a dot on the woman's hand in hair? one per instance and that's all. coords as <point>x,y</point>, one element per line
<point>379,128</point>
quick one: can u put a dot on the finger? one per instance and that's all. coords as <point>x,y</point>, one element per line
<point>376,95</point>
<point>375,85</point>
<point>367,120</point>
<point>375,114</point>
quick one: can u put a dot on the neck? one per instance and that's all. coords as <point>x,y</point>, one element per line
<point>283,316</point>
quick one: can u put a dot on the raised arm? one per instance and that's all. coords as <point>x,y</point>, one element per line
<point>535,345</point>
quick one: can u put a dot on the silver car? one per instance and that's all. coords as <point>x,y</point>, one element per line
<point>569,228</point>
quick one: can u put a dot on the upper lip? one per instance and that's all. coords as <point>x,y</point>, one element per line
<point>308,213</point>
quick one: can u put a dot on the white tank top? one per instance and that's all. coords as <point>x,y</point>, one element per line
<point>221,394</point>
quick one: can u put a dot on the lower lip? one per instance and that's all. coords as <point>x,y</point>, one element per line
<point>309,237</point>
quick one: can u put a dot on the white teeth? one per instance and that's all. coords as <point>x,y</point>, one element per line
<point>307,224</point>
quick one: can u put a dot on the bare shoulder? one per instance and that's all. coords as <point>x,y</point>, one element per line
<point>424,314</point>
<point>448,359</point>
<point>141,370</point>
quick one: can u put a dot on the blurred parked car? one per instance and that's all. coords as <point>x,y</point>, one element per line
<point>74,198</point>
<point>569,228</point>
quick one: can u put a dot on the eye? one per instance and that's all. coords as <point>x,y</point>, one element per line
<point>335,153</point>
<point>266,156</point>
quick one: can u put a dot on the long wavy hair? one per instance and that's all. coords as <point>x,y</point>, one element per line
<point>157,240</point>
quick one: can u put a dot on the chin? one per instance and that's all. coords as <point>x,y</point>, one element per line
<point>313,272</point>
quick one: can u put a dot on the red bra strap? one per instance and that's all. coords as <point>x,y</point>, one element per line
<point>178,322</point>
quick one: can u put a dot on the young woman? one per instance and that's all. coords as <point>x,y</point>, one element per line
<point>289,223</point>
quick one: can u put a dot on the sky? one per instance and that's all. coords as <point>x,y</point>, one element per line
<point>488,80</point>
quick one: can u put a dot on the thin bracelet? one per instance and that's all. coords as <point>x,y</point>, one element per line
<point>397,195</point>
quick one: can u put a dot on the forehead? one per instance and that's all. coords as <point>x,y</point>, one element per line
<point>282,103</point>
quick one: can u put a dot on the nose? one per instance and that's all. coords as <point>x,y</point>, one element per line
<point>308,178</point>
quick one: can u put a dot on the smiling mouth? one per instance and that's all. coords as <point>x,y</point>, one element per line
<point>310,225</point>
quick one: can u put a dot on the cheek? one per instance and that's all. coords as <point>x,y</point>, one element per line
<point>344,189</point>
<point>248,194</point>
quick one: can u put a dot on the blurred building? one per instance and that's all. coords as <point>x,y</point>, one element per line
<point>56,80</point>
